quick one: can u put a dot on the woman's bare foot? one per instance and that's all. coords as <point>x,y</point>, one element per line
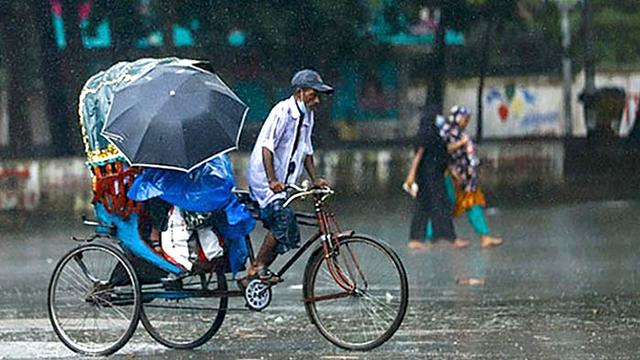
<point>470,281</point>
<point>460,243</point>
<point>418,245</point>
<point>487,241</point>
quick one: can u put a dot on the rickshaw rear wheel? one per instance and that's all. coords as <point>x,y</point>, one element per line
<point>94,300</point>
<point>180,319</point>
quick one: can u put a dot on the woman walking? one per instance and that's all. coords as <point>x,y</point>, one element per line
<point>462,182</point>
<point>427,174</point>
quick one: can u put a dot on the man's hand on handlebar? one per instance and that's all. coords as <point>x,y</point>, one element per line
<point>320,183</point>
<point>300,192</point>
<point>276,186</point>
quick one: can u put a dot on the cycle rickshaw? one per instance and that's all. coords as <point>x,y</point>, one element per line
<point>354,289</point>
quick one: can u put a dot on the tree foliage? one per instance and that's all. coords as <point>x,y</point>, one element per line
<point>616,32</point>
<point>280,33</point>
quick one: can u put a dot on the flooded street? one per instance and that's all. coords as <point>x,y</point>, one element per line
<point>533,104</point>
<point>564,285</point>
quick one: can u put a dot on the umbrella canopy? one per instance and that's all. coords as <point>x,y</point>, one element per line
<point>175,117</point>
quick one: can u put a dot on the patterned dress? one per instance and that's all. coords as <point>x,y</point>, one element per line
<point>463,166</point>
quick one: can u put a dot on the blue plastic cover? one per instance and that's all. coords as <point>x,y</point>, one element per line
<point>206,188</point>
<point>127,233</point>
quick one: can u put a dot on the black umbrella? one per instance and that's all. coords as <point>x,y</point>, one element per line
<point>175,117</point>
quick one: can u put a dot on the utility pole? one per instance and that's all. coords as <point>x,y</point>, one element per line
<point>437,77</point>
<point>567,80</point>
<point>589,67</point>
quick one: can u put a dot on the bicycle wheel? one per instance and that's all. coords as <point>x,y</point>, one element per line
<point>370,305</point>
<point>181,318</point>
<point>91,311</point>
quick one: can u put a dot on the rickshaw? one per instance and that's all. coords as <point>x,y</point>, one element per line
<point>354,287</point>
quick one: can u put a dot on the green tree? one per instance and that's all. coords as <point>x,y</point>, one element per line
<point>20,57</point>
<point>282,35</point>
<point>125,23</point>
<point>285,35</point>
<point>616,32</point>
<point>461,15</point>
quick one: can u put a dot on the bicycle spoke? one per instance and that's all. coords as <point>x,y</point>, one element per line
<point>378,304</point>
<point>86,317</point>
<point>381,320</point>
<point>363,315</point>
<point>75,288</point>
<point>84,269</point>
<point>74,280</point>
<point>189,321</point>
<point>370,315</point>
<point>381,305</point>
<point>111,307</point>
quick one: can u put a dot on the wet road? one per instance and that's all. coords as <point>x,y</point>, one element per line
<point>564,286</point>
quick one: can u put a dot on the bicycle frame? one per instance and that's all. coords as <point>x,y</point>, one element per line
<point>329,233</point>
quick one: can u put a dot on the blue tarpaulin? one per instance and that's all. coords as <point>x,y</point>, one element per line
<point>205,189</point>
<point>127,233</point>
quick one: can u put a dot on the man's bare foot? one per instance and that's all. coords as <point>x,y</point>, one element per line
<point>251,271</point>
<point>418,245</point>
<point>460,243</point>
<point>490,241</point>
<point>261,273</point>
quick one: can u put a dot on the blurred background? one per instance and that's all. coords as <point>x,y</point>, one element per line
<point>554,90</point>
<point>553,85</point>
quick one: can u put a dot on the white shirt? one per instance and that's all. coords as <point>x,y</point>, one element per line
<point>278,135</point>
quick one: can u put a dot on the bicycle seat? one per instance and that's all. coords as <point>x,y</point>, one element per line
<point>244,197</point>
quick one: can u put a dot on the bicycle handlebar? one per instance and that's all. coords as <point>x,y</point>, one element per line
<point>300,192</point>
<point>304,190</point>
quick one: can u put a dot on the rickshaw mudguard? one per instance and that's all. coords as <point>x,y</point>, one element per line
<point>341,235</point>
<point>126,231</point>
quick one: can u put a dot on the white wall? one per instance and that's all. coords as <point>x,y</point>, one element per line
<point>512,106</point>
<point>534,107</point>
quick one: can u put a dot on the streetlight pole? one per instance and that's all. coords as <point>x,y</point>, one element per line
<point>589,67</point>
<point>567,80</point>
